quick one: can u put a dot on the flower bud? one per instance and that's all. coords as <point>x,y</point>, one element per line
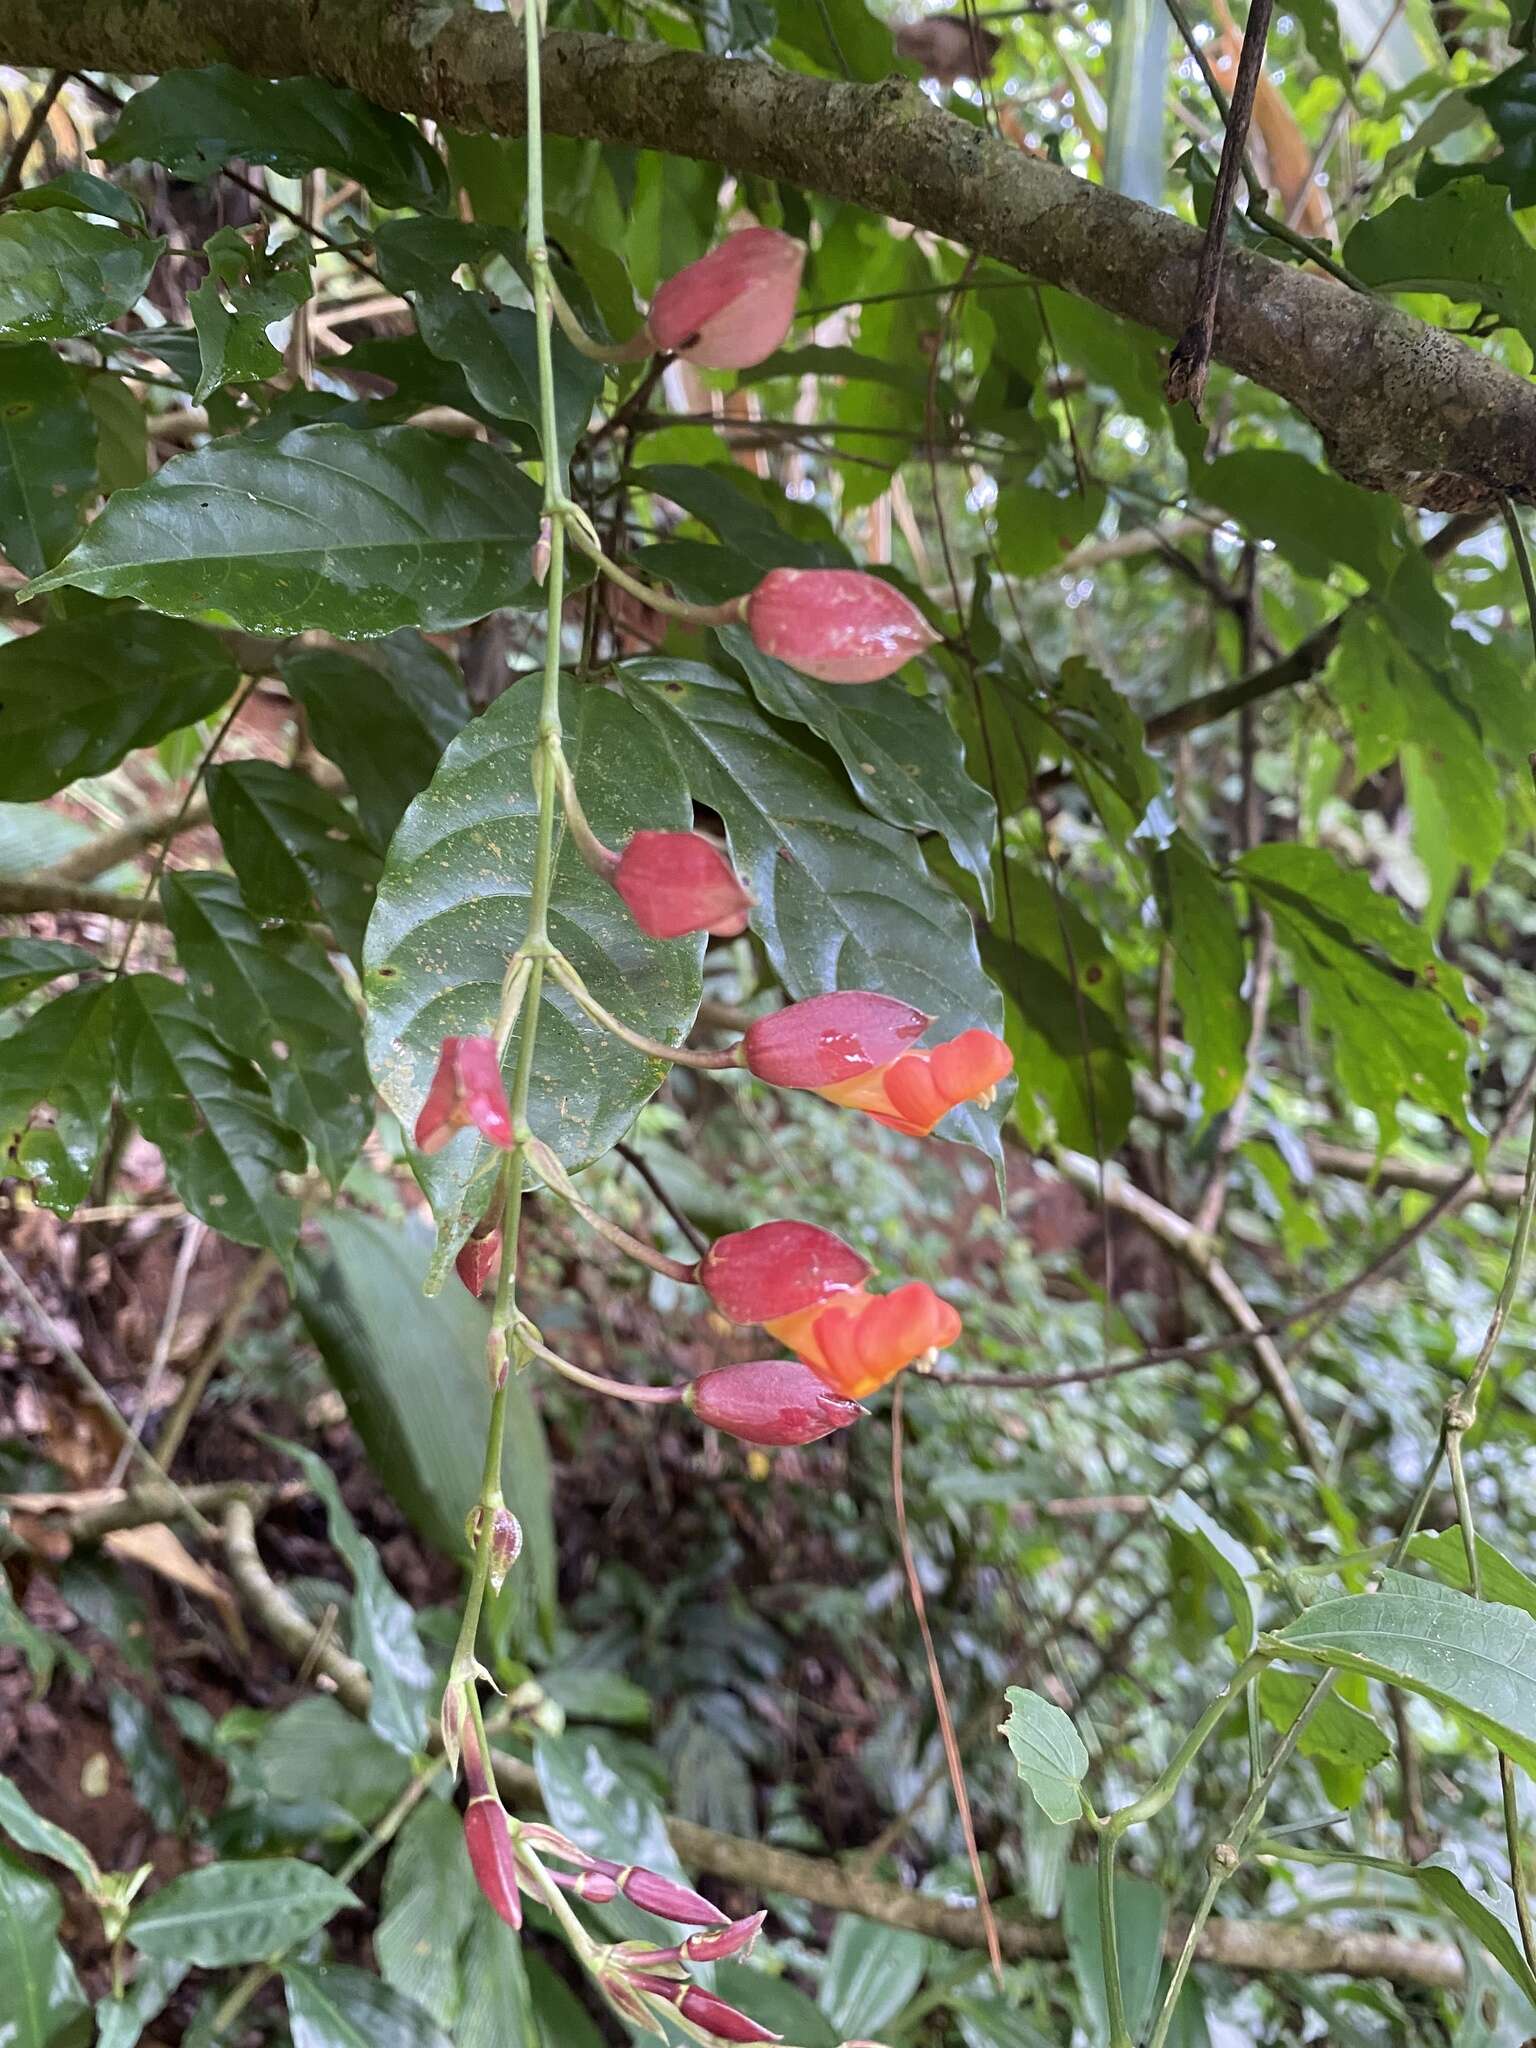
<point>703,2010</point>
<point>450,1721</point>
<point>539,560</point>
<point>714,1945</point>
<point>477,1261</point>
<point>734,306</point>
<point>492,1858</point>
<point>855,1342</point>
<point>772,1401</point>
<point>596,1887</point>
<point>774,1269</point>
<point>677,882</point>
<point>668,1899</point>
<point>465,1090</point>
<point>506,1546</point>
<point>838,625</point>
<point>915,1090</point>
<point>830,1038</point>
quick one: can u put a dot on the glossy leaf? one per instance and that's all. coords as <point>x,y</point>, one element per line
<point>1049,1753</point>
<point>316,1755</point>
<point>498,2009</point>
<point>28,964</point>
<point>333,2006</point>
<point>195,122</point>
<point>121,2022</point>
<point>988,2023</point>
<point>1141,1913</point>
<point>872,1971</point>
<point>56,1081</point>
<point>383,715</point>
<point>384,1638</point>
<point>210,1113</point>
<point>1315,518</point>
<point>245,292</point>
<point>273,996</point>
<point>1474,1657</point>
<point>40,1996</point>
<point>47,455</point>
<point>80,192</point>
<point>82,693</point>
<point>356,531</point>
<point>237,1912</point>
<point>426,1912</point>
<point>296,849</point>
<point>1461,241</point>
<point>122,433</point>
<point>1509,101</point>
<point>39,1837</point>
<point>843,900</point>
<point>453,905</point>
<point>62,275</point>
<point>604,1811</point>
<point>1230,1562</point>
<point>360,1292</point>
<point>152,1773</point>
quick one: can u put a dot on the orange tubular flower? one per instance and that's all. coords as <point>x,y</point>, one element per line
<point>854,1342</point>
<point>912,1092</point>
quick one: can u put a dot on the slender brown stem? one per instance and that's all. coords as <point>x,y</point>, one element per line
<point>37,120</point>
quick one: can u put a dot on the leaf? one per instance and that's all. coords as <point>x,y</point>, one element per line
<point>246,291</point>
<point>195,122</point>
<point>453,905</point>
<point>1509,101</point>
<point>872,1971</point>
<point>318,1755</point>
<point>384,1639</point>
<point>427,1909</point>
<point>1337,1733</point>
<point>237,1912</point>
<point>29,964</point>
<point>40,1996</point>
<point>1315,518</point>
<point>56,1096</point>
<point>498,2007</point>
<point>1469,1655</point>
<point>986,2023</point>
<point>1446,1555</point>
<point>82,693</point>
<point>1208,966</point>
<point>607,1813</point>
<point>496,346</point>
<point>750,521</point>
<point>354,531</point>
<point>383,715</point>
<point>152,1772</point>
<point>273,997</point>
<point>1141,1913</point>
<point>1037,529</point>
<point>122,433</point>
<point>774,2002</point>
<point>1231,1563</point>
<point>1049,1753</point>
<point>47,455</point>
<point>296,849</point>
<point>1493,1921</point>
<point>1320,27</point>
<point>561,2020</point>
<point>61,275</point>
<point>331,2006</point>
<point>1461,241</point>
<point>80,192</point>
<point>40,1837</point>
<point>843,901</point>
<point>1397,1015</point>
<point>209,1112</point>
<point>121,2021</point>
<point>1135,157</point>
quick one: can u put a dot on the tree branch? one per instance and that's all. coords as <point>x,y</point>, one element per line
<point>25,898</point>
<point>1401,406</point>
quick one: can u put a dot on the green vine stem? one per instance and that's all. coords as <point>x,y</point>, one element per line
<point>677,1055</point>
<point>730,613</point>
<point>547,1165</point>
<point>617,1390</point>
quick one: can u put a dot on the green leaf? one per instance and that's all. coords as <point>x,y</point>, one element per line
<point>82,693</point>
<point>1037,529</point>
<point>122,432</point>
<point>1469,1655</point>
<point>987,2023</point>
<point>1049,1753</point>
<point>1509,101</point>
<point>1320,27</point>
<point>273,996</point>
<point>774,2002</point>
<point>1135,152</point>
<point>1141,1913</point>
<point>426,1912</point>
<point>1315,518</point>
<point>1231,1563</point>
<point>1337,1733</point>
<point>40,1837</point>
<point>750,521</point>
<point>605,1812</point>
<point>80,192</point>
<point>209,1112</point>
<point>61,275</point>
<point>317,1754</point>
<point>331,2006</point>
<point>245,292</point>
<point>1446,1555</point>
<point>384,1639</point>
<point>496,346</point>
<point>120,2022</point>
<point>360,1293</point>
<point>383,715</point>
<point>1208,966</point>
<point>498,2007</point>
<point>56,1096</point>
<point>40,1996</point>
<point>152,1772</point>
<point>561,2020</point>
<point>453,905</point>
<point>296,848</point>
<point>1493,1921</point>
<point>354,531</point>
<point>195,122</point>
<point>1398,1015</point>
<point>1461,241</point>
<point>237,1912</point>
<point>28,964</point>
<point>872,1971</point>
<point>843,900</point>
<point>47,455</point>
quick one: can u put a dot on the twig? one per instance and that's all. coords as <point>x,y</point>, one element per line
<point>186,1255</point>
<point>67,899</point>
<point>37,120</point>
<point>140,1506</point>
<point>109,849</point>
<point>638,1162</point>
<point>1191,360</point>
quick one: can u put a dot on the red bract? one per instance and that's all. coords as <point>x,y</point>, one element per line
<point>490,1854</point>
<point>775,1268</point>
<point>838,625</point>
<point>704,2010</point>
<point>466,1089</point>
<point>713,1945</point>
<point>677,882</point>
<point>477,1261</point>
<point>773,1401</point>
<point>856,1341</point>
<point>916,1089</point>
<point>666,1898</point>
<point>734,306</point>
<point>830,1038</point>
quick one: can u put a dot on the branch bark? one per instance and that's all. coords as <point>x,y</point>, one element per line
<point>1401,406</point>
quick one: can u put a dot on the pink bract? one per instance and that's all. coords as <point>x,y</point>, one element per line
<point>734,306</point>
<point>830,1038</point>
<point>837,625</point>
<point>679,882</point>
<point>752,1276</point>
<point>773,1401</point>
